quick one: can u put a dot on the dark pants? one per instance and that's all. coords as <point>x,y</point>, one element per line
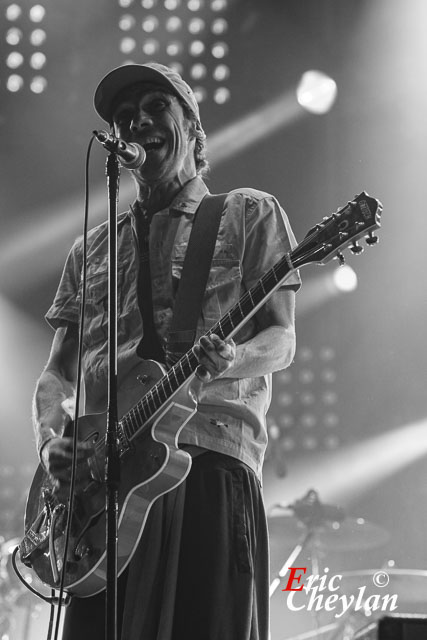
<point>201,569</point>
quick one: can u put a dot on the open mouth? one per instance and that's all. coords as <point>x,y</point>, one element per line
<point>152,144</point>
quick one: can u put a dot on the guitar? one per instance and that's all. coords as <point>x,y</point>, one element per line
<point>154,406</point>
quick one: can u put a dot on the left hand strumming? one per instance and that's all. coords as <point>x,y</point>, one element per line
<point>215,357</point>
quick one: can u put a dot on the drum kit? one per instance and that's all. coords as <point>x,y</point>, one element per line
<point>314,532</point>
<point>310,527</point>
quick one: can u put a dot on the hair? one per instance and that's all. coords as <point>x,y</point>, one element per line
<point>200,149</point>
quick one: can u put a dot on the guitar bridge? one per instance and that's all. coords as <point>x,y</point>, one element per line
<point>124,443</point>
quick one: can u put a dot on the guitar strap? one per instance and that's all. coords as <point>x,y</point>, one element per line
<point>194,277</point>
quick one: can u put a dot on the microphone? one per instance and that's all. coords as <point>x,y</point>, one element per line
<point>132,155</point>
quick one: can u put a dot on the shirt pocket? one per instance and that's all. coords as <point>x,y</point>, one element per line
<point>223,286</point>
<point>96,307</point>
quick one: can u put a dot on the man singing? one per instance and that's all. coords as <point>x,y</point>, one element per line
<point>200,571</point>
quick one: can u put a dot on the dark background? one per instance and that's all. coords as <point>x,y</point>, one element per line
<point>372,139</point>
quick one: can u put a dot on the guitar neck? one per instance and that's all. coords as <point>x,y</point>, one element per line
<point>323,242</point>
<point>225,328</point>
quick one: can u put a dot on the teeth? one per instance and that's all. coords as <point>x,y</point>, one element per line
<point>153,141</point>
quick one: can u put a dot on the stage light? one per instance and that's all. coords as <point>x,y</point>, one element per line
<point>222,95</point>
<point>287,443</point>
<point>308,420</point>
<point>38,84</point>
<point>345,278</point>
<point>126,22</point>
<point>150,24</point>
<point>329,397</point>
<point>180,27</point>
<point>150,47</point>
<point>309,443</point>
<point>286,420</point>
<point>219,26</point>
<point>285,399</point>
<point>196,25</point>
<point>200,93</point>
<point>127,45</point>
<point>327,353</point>
<point>331,442</point>
<point>221,73</point>
<point>173,24</point>
<point>219,50</point>
<point>306,376</point>
<point>330,420</point>
<point>13,12</point>
<point>197,48</point>
<point>38,60</point>
<point>14,36</point>
<point>316,92</point>
<point>195,5</point>
<point>14,83</point>
<point>174,48</point>
<point>14,60</point>
<point>304,354</point>
<point>328,375</point>
<point>218,5</point>
<point>198,71</point>
<point>307,398</point>
<point>37,37</point>
<point>37,13</point>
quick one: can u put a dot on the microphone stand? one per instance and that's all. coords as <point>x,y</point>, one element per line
<point>112,461</point>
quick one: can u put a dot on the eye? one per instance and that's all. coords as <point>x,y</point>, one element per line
<point>157,105</point>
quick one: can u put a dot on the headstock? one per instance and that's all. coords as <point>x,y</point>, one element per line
<point>325,241</point>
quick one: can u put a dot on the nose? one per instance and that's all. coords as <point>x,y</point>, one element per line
<point>140,120</point>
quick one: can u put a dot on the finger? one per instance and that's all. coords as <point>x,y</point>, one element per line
<point>208,359</point>
<point>207,344</point>
<point>224,348</point>
<point>203,373</point>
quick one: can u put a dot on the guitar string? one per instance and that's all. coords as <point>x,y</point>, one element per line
<point>187,363</point>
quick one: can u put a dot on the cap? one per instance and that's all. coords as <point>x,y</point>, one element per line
<point>130,74</point>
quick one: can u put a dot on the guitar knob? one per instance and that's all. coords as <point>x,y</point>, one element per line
<point>371,239</point>
<point>340,258</point>
<point>356,248</point>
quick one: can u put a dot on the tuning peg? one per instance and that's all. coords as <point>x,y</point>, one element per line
<point>371,239</point>
<point>340,258</point>
<point>356,248</point>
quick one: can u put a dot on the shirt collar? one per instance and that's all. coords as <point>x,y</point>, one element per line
<point>186,201</point>
<point>189,198</point>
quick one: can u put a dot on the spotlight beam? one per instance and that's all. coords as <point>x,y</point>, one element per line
<point>54,228</point>
<point>342,476</point>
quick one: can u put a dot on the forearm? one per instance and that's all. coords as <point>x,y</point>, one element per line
<point>49,416</point>
<point>272,349</point>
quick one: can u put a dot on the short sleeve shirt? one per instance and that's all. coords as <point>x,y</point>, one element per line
<point>253,236</point>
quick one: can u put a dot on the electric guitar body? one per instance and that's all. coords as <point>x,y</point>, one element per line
<point>151,465</point>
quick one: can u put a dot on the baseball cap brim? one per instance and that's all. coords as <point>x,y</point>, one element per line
<point>121,77</point>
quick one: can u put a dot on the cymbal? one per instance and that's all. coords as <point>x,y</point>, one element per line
<point>353,534</point>
<point>410,585</point>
